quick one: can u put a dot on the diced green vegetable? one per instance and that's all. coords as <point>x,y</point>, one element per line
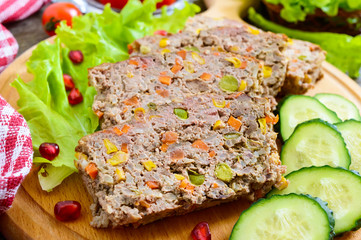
<point>191,48</point>
<point>181,113</point>
<point>230,136</point>
<point>195,178</point>
<point>152,106</point>
<point>224,172</point>
<point>228,83</point>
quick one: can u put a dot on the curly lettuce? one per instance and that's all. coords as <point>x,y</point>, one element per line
<point>101,38</point>
<point>297,10</point>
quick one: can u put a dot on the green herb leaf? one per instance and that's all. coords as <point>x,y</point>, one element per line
<point>230,136</point>
<point>302,57</point>
<point>195,178</point>
<point>101,38</point>
<point>181,113</point>
<point>191,48</point>
<point>228,83</point>
<point>342,49</point>
<point>223,172</point>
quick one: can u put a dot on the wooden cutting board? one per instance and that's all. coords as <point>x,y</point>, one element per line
<point>31,216</point>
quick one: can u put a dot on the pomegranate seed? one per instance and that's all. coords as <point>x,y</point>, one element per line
<point>161,32</point>
<point>49,150</point>
<point>68,82</point>
<point>76,56</point>
<point>201,232</point>
<point>75,96</point>
<point>67,210</point>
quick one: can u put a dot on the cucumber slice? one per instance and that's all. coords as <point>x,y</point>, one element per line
<point>340,188</point>
<point>315,143</point>
<point>296,109</point>
<point>344,108</point>
<point>287,217</point>
<point>351,132</point>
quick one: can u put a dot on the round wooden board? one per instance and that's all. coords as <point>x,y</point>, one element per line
<point>31,216</point>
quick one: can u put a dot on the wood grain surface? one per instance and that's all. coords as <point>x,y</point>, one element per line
<point>31,216</point>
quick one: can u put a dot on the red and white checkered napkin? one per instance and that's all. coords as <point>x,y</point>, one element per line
<point>13,10</point>
<point>16,153</point>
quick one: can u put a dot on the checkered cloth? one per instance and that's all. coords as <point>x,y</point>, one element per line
<point>16,153</point>
<point>13,10</point>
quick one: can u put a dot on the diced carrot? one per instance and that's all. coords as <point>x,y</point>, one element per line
<point>169,137</point>
<point>176,155</point>
<point>92,170</point>
<point>235,123</point>
<point>118,131</point>
<point>216,53</point>
<point>206,76</point>
<point>273,120</point>
<point>164,147</point>
<point>144,66</point>
<point>144,204</point>
<point>162,92</point>
<point>200,145</point>
<point>131,101</point>
<point>176,68</point>
<point>125,128</point>
<point>152,184</point>
<point>165,80</point>
<point>133,62</point>
<point>183,183</point>
<point>99,113</point>
<point>212,153</point>
<point>190,187</point>
<point>234,95</point>
<point>163,73</point>
<point>178,61</point>
<point>124,147</point>
<point>250,48</point>
<point>228,105</point>
<point>243,65</point>
<point>130,48</point>
<point>294,60</point>
<point>182,54</point>
<point>214,185</point>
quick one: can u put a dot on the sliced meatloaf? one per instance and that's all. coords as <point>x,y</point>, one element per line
<point>245,41</point>
<point>170,77</point>
<point>198,29</point>
<point>178,157</point>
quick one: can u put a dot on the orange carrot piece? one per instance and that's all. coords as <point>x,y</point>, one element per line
<point>163,73</point>
<point>165,80</point>
<point>169,137</point>
<point>176,68</point>
<point>162,92</point>
<point>99,113</point>
<point>235,95</point>
<point>243,65</point>
<point>152,184</point>
<point>177,155</point>
<point>212,153</point>
<point>200,145</point>
<point>164,147</point>
<point>125,110</point>
<point>91,170</point>
<point>235,123</point>
<point>124,147</point>
<point>125,128</point>
<point>228,105</point>
<point>133,62</point>
<point>131,101</point>
<point>117,131</point>
<point>182,54</point>
<point>250,48</point>
<point>216,53</point>
<point>190,187</point>
<point>214,185</point>
<point>206,76</point>
<point>183,183</point>
<point>272,120</point>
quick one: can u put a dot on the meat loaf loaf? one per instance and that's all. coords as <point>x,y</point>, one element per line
<point>295,82</point>
<point>178,157</point>
<point>170,77</point>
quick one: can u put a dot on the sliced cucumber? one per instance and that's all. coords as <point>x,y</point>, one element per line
<point>340,188</point>
<point>351,132</point>
<point>287,217</point>
<point>296,109</point>
<point>344,108</point>
<point>315,143</point>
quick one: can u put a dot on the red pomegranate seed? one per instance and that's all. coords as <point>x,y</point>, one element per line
<point>75,96</point>
<point>49,150</point>
<point>76,56</point>
<point>161,32</point>
<point>67,210</point>
<point>68,82</point>
<point>201,232</point>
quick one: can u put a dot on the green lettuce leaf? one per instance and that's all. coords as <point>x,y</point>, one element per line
<point>101,38</point>
<point>297,10</point>
<point>342,49</point>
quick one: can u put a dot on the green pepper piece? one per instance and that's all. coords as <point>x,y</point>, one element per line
<point>224,172</point>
